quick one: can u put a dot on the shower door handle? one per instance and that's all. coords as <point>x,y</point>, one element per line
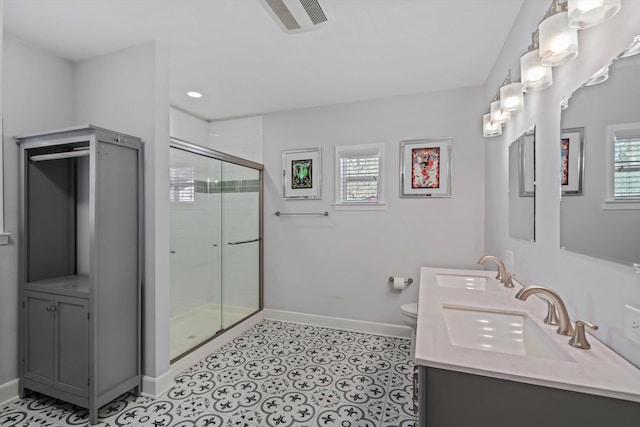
<point>245,241</point>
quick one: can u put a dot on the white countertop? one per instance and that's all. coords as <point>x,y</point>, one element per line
<point>598,371</point>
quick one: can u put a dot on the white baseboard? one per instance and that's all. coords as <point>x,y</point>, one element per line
<point>339,323</point>
<point>195,356</point>
<point>9,391</point>
<point>154,387</point>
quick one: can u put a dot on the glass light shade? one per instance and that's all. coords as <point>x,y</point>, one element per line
<point>512,97</point>
<point>488,128</point>
<point>558,42</point>
<point>588,13</point>
<point>533,74</point>
<point>497,115</point>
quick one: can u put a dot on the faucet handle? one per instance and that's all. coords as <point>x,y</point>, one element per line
<point>579,338</point>
<point>552,314</point>
<point>508,282</point>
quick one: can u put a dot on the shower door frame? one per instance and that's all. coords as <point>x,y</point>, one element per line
<point>224,157</point>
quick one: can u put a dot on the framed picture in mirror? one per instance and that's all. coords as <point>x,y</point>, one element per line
<point>572,161</point>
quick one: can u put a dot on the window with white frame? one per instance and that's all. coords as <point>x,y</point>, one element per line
<point>359,182</point>
<point>624,166</point>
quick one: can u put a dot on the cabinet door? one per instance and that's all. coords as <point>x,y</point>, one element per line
<point>71,370</point>
<point>38,339</point>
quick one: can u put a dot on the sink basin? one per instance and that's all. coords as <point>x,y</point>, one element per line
<point>498,331</point>
<point>463,281</point>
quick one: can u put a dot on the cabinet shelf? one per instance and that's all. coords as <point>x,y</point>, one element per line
<point>73,286</point>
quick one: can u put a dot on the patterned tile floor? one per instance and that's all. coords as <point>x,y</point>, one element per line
<point>276,374</point>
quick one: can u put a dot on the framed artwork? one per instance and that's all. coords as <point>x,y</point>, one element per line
<point>301,174</point>
<point>425,168</point>
<point>572,161</point>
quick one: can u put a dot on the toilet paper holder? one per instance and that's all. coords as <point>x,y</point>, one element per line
<point>406,282</point>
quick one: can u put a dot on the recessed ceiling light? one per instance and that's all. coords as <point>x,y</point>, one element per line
<point>194,94</point>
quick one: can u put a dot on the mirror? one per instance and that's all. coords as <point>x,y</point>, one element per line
<point>600,205</point>
<point>522,188</point>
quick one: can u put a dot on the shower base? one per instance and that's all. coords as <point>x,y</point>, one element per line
<point>191,328</point>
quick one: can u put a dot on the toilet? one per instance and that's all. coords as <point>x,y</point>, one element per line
<point>410,318</point>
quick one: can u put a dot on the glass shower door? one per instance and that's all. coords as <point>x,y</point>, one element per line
<point>241,242</point>
<point>195,239</point>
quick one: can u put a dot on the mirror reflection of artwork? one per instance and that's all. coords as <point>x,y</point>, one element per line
<point>425,167</point>
<point>301,174</point>
<point>564,152</point>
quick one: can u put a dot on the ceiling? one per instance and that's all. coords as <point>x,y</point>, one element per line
<point>238,57</point>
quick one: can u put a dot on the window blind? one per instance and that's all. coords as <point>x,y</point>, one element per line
<point>182,185</point>
<point>626,177</point>
<point>359,178</point>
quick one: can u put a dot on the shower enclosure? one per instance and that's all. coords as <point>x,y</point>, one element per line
<point>216,243</point>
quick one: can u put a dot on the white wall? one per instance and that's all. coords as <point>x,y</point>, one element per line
<point>238,137</point>
<point>36,97</point>
<point>339,265</point>
<point>594,290</point>
<point>128,92</point>
<point>188,128</point>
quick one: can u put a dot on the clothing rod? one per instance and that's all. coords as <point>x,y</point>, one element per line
<point>325,213</point>
<point>55,156</point>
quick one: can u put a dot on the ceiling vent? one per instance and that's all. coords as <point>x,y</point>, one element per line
<point>295,16</point>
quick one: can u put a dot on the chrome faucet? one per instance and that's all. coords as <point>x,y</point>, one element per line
<point>564,323</point>
<point>503,276</point>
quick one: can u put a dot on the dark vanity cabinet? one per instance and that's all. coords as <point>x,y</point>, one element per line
<point>80,269</point>
<point>453,399</point>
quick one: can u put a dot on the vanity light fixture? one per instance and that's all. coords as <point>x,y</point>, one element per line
<point>588,13</point>
<point>533,74</point>
<point>511,96</point>
<point>497,115</point>
<point>558,41</point>
<point>194,94</point>
<point>489,128</point>
<point>554,43</point>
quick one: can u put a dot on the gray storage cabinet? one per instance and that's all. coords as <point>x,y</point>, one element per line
<point>81,264</point>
